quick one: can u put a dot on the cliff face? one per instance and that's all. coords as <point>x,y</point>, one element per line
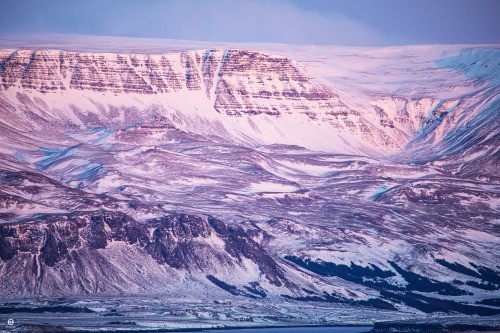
<point>225,84</point>
<point>73,253</point>
<point>238,78</point>
<point>249,97</point>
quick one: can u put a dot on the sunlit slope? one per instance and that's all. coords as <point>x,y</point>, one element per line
<point>277,173</point>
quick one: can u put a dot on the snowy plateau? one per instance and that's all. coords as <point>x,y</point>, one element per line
<point>159,185</point>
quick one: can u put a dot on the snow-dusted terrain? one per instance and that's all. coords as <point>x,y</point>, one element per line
<point>178,184</point>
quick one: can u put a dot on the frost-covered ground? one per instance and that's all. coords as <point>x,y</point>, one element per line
<point>138,313</point>
<point>247,184</point>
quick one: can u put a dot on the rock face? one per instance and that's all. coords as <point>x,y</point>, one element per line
<point>238,78</point>
<point>174,243</point>
<point>241,95</point>
<point>233,83</point>
<point>55,250</point>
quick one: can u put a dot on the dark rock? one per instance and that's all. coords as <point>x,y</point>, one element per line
<point>52,251</point>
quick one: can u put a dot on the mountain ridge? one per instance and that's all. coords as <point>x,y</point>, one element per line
<point>366,178</point>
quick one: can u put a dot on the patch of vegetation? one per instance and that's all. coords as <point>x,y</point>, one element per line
<point>459,268</point>
<point>113,314</point>
<point>484,285</point>
<point>306,298</point>
<point>256,289</point>
<point>233,290</point>
<point>374,276</point>
<point>409,301</point>
<point>430,304</point>
<point>370,275</point>
<point>41,309</point>
<point>487,274</point>
<point>421,283</point>
<point>380,327</point>
<point>310,292</point>
<point>377,303</point>
<point>223,285</point>
<point>490,301</point>
<point>122,323</point>
<point>483,273</point>
<point>372,302</point>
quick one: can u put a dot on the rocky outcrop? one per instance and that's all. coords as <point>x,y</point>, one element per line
<point>246,74</point>
<point>254,83</point>
<point>236,82</point>
<point>53,236</point>
<point>183,242</point>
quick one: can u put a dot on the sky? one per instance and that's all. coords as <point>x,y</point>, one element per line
<point>323,22</point>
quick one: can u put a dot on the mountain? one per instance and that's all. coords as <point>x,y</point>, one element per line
<point>247,184</point>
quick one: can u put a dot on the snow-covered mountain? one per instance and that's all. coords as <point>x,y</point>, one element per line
<point>313,179</point>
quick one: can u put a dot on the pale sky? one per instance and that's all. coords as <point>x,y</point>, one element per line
<point>336,22</point>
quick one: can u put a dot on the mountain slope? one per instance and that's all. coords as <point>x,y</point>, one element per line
<point>288,176</point>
